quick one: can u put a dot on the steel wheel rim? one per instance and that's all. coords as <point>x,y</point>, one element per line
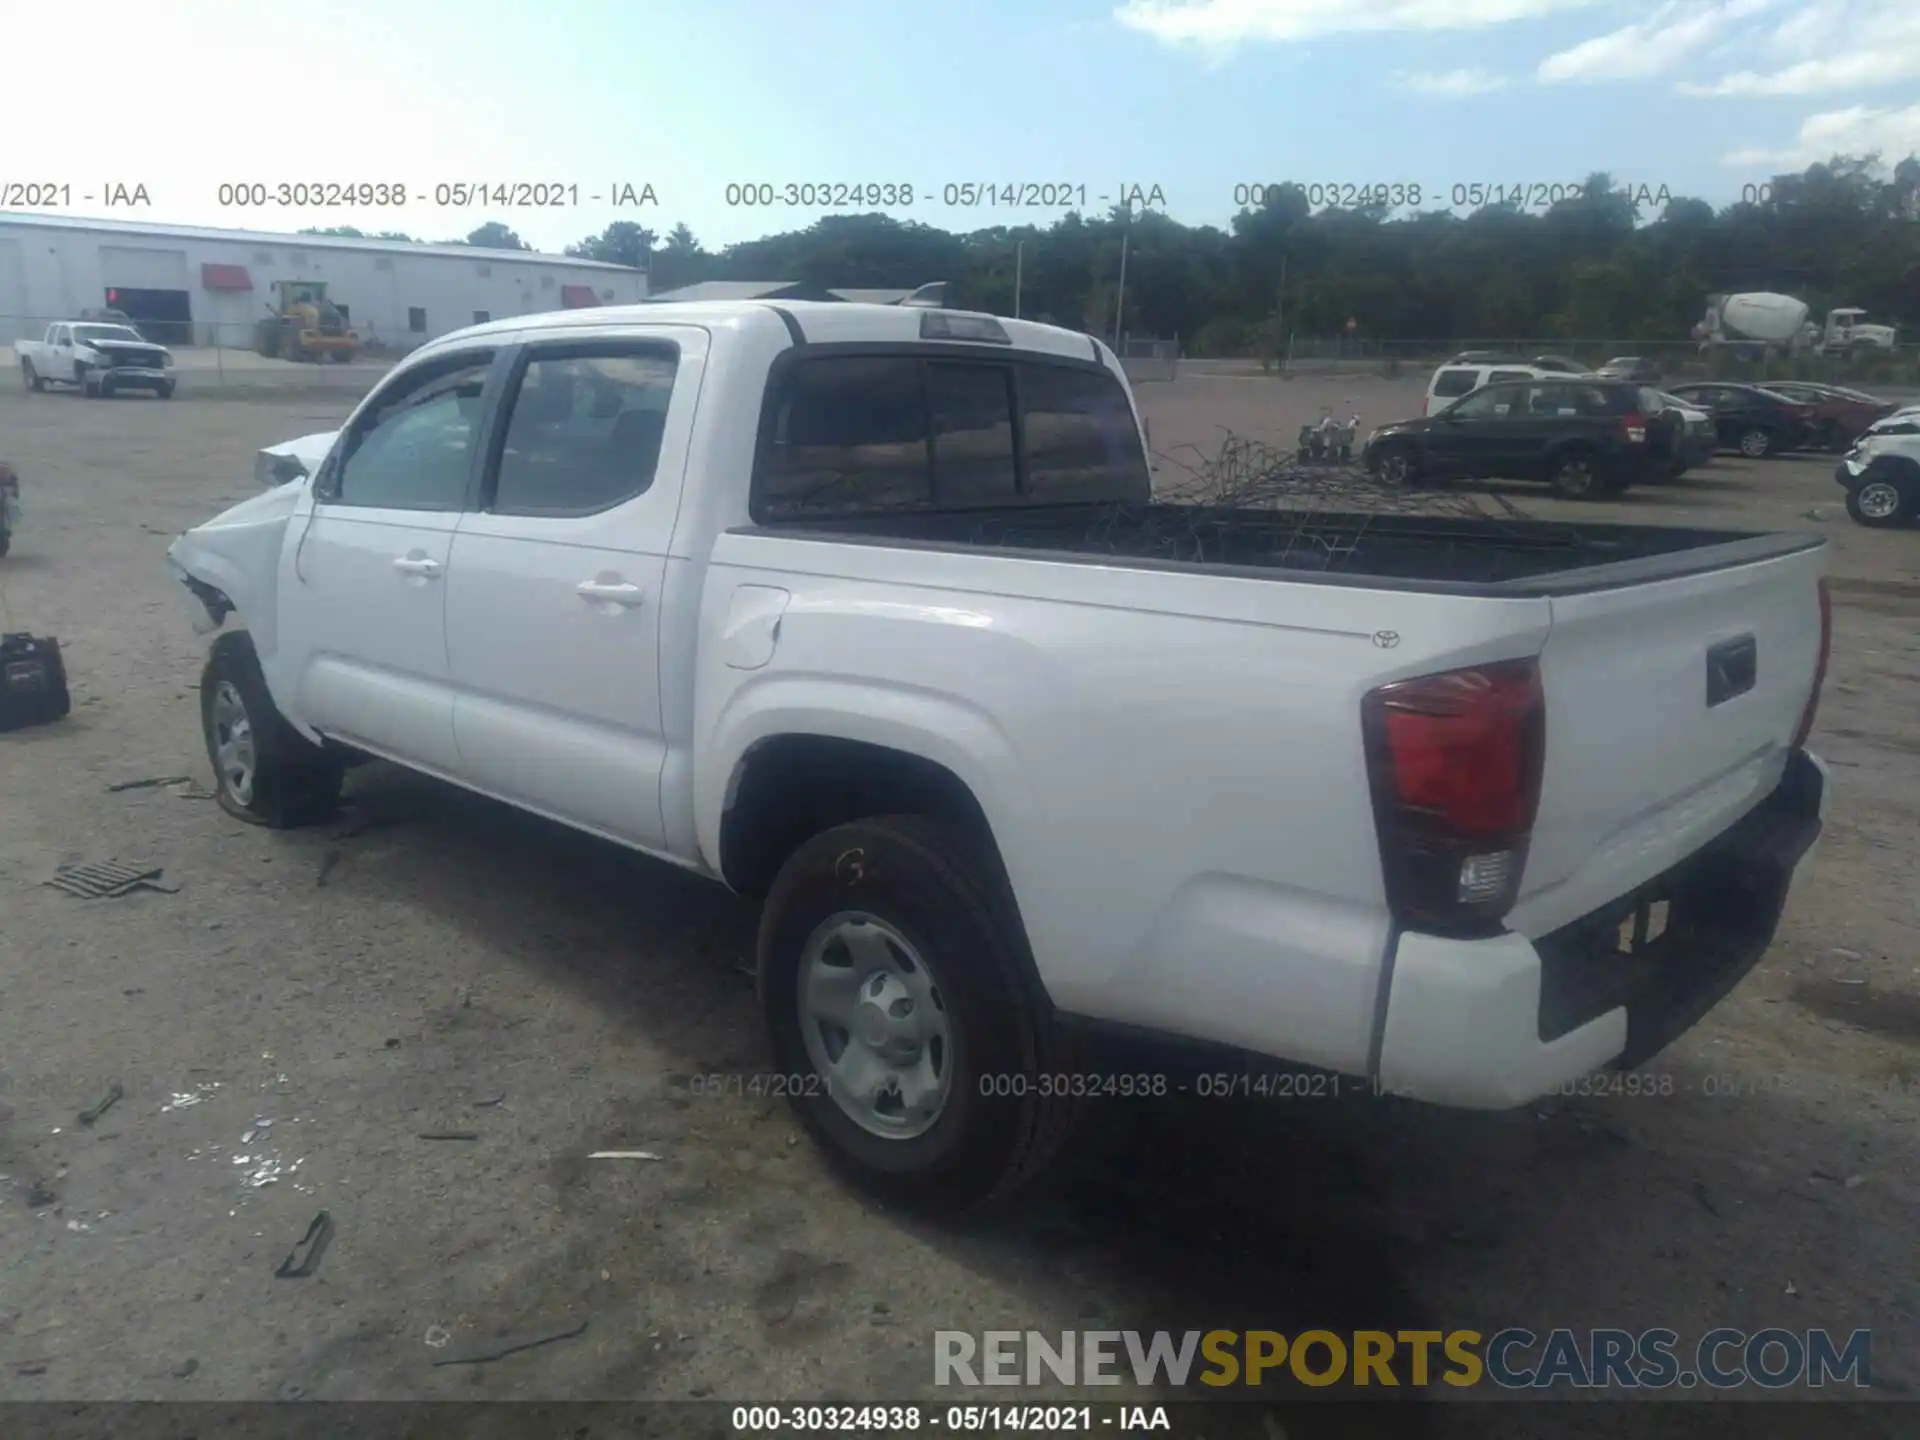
<point>1753,444</point>
<point>1394,468</point>
<point>232,736</point>
<point>875,1025</point>
<point>1878,500</point>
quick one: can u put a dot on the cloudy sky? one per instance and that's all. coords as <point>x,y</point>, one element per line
<point>1196,97</point>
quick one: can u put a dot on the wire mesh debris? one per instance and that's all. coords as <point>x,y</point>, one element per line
<point>109,879</point>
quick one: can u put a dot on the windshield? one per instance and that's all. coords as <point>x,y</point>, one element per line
<point>104,332</point>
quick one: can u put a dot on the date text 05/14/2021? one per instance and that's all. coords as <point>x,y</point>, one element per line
<point>1455,195</point>
<point>948,1419</point>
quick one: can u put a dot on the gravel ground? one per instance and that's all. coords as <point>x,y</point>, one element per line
<point>432,962</point>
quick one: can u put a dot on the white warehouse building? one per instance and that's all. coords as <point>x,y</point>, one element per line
<point>186,285</point>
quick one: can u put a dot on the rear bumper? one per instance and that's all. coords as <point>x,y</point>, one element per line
<point>1490,1024</point>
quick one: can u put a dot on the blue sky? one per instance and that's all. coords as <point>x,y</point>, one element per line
<point>1192,96</point>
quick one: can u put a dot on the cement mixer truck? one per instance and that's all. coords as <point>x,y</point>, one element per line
<point>1757,322</point>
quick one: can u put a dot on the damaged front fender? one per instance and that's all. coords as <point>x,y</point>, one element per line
<point>231,564</point>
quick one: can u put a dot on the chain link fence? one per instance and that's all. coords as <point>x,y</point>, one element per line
<point>1144,357</point>
<point>1675,360</point>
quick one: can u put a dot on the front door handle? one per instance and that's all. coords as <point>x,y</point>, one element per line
<point>418,565</point>
<point>611,592</point>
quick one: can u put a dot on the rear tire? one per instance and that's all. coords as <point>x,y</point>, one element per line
<point>1756,443</point>
<point>1882,504</point>
<point>904,928</point>
<point>264,771</point>
<point>32,378</point>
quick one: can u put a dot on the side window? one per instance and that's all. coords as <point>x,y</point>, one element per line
<point>1548,400</point>
<point>971,409</point>
<point>415,451</point>
<point>1496,402</point>
<point>1499,375</point>
<point>849,438</point>
<point>61,335</point>
<point>1450,384</point>
<point>1080,438</point>
<point>584,432</point>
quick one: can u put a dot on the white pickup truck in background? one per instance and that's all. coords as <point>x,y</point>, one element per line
<point>97,357</point>
<point>870,612</point>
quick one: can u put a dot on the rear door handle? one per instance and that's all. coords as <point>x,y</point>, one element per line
<point>611,592</point>
<point>418,565</point>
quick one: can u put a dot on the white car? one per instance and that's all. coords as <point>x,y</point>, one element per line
<point>1469,373</point>
<point>1881,473</point>
<point>869,612</point>
<point>97,357</point>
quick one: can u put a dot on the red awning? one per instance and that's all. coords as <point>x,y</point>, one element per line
<point>225,277</point>
<point>578,297</point>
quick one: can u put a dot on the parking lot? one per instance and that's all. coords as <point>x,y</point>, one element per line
<point>292,1023</point>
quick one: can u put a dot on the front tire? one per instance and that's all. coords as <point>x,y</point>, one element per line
<point>264,771</point>
<point>1880,504</point>
<point>892,978</point>
<point>1578,477</point>
<point>1396,468</point>
<point>164,390</point>
<point>1756,443</point>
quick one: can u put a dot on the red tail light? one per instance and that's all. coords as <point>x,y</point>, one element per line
<point>1819,668</point>
<point>1455,761</point>
<point>1633,428</point>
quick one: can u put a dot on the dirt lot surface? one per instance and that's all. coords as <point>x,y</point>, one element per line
<point>431,962</point>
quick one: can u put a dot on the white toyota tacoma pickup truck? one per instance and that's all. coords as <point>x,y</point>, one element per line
<point>870,612</point>
<point>98,357</point>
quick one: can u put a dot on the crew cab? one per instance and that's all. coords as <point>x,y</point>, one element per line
<point>1587,438</point>
<point>97,357</point>
<point>870,613</point>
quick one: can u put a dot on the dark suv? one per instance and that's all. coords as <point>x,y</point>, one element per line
<point>1585,437</point>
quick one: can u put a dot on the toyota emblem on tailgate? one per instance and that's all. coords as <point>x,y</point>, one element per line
<point>1386,639</point>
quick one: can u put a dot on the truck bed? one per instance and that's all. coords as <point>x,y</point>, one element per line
<point>1449,554</point>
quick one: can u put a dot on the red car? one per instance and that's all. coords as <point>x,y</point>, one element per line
<point>1839,414</point>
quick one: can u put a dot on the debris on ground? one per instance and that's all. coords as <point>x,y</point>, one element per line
<point>438,1336</point>
<point>184,1369</point>
<point>625,1155</point>
<point>151,782</point>
<point>41,1196</point>
<point>109,879</point>
<point>195,792</point>
<point>1814,514</point>
<point>100,1107</point>
<point>484,1102</point>
<point>182,1100</point>
<point>304,1258</point>
<point>449,1134</point>
<point>510,1345</point>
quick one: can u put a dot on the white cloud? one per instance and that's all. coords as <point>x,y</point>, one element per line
<point>1647,47</point>
<point>1222,24</point>
<point>1450,84</point>
<point>1857,130</point>
<point>1827,46</point>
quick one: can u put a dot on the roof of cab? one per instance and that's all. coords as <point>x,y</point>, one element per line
<point>821,322</point>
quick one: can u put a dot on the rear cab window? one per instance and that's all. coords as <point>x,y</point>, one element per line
<point>925,431</point>
<point>1451,383</point>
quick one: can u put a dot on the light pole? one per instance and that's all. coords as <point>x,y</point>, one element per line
<point>1120,296</point>
<point>1019,254</point>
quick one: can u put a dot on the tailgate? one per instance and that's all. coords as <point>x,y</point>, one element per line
<point>1670,710</point>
